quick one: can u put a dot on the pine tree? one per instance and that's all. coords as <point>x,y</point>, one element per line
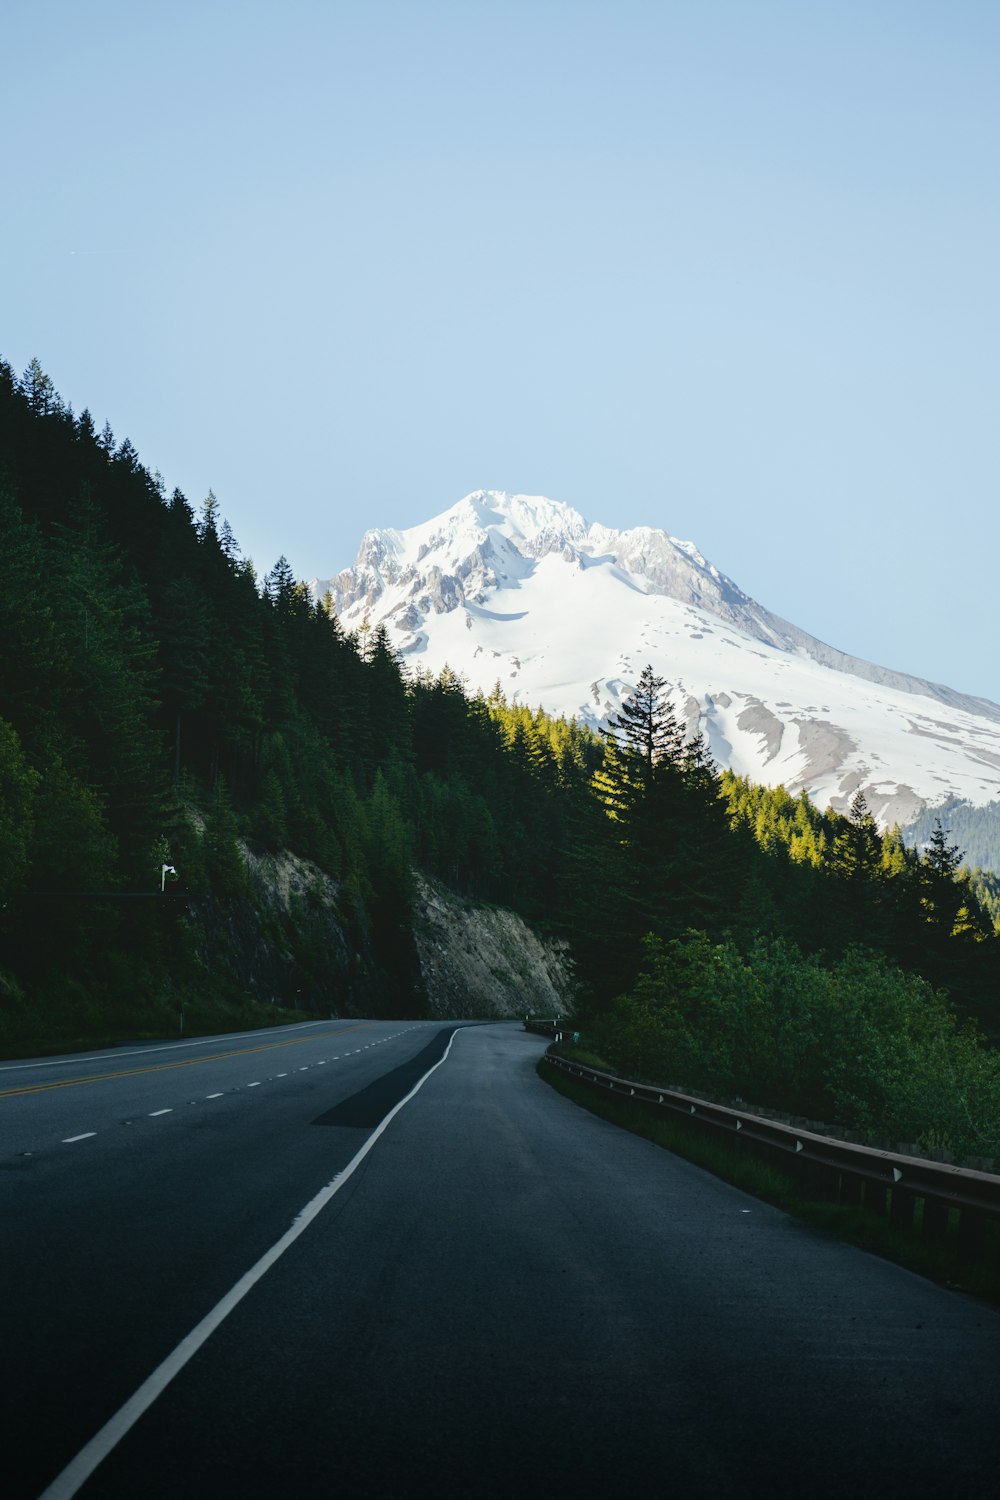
<point>208,520</point>
<point>103,613</point>
<point>184,629</point>
<point>39,392</point>
<point>17,794</point>
<point>647,724</point>
<point>858,851</point>
<point>942,895</point>
<point>227,541</point>
<point>387,704</point>
<point>126,456</point>
<point>279,583</point>
<point>659,878</point>
<point>224,860</point>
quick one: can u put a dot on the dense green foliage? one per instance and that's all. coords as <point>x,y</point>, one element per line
<point>832,880</point>
<point>162,705</point>
<point>856,1043</point>
<point>986,884</point>
<point>977,830</point>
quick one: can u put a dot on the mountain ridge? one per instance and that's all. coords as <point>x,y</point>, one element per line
<point>522,589</point>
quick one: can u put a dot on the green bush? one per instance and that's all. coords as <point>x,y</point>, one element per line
<point>858,1044</point>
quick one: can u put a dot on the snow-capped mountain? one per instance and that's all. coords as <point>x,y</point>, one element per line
<point>522,590</point>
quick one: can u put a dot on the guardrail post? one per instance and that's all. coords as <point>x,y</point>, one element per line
<point>826,1184</point>
<point>816,1180</point>
<point>971,1234</point>
<point>886,1182</point>
<point>901,1207</point>
<point>850,1188</point>
<point>875,1197</point>
<point>935,1225</point>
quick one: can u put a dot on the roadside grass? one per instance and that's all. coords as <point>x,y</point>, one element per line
<point>848,1222</point>
<point>587,1059</point>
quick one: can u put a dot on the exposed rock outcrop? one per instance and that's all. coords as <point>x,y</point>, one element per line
<point>485,961</point>
<point>290,941</point>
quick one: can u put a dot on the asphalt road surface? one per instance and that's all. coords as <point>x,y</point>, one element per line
<point>264,1265</point>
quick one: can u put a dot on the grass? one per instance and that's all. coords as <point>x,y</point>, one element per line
<point>851,1223</point>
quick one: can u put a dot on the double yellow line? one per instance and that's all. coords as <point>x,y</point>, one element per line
<point>190,1062</point>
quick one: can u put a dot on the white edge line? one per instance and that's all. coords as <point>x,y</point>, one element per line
<point>80,1468</point>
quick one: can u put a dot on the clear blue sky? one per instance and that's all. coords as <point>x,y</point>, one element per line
<point>726,268</point>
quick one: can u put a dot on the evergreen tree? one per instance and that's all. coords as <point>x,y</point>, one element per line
<point>104,616</point>
<point>279,583</point>
<point>34,655</point>
<point>387,717</point>
<point>208,520</point>
<point>942,895</point>
<point>647,725</point>
<point>662,801</point>
<point>184,630</point>
<point>17,796</point>
<point>224,860</point>
<point>39,392</point>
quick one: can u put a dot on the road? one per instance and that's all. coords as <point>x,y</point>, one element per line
<point>493,1292</point>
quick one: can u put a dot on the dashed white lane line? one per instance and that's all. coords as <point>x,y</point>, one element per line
<point>320,1063</point>
<point>79,1469</point>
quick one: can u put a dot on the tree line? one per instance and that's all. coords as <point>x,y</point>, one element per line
<point>162,704</point>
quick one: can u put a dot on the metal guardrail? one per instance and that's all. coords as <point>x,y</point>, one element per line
<point>551,1028</point>
<point>955,1200</point>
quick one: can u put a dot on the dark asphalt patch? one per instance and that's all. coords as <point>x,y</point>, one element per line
<point>370,1106</point>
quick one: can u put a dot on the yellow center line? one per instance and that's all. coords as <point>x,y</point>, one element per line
<point>191,1062</point>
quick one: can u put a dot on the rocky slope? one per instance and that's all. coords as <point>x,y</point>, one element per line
<point>288,944</point>
<point>485,961</point>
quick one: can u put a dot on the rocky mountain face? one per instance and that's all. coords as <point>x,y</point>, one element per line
<point>486,961</point>
<point>288,945</point>
<point>522,591</point>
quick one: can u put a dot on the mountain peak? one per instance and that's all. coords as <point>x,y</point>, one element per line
<point>518,518</point>
<point>565,613</point>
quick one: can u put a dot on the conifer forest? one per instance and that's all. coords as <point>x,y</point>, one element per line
<point>168,718</point>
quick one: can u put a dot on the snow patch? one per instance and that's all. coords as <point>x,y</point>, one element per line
<point>574,610</point>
